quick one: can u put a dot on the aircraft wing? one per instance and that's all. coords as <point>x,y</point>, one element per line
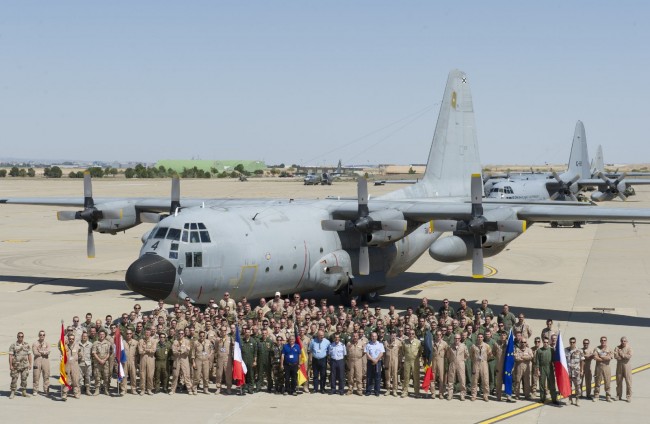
<point>590,182</point>
<point>142,204</point>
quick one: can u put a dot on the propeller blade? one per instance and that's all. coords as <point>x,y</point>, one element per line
<point>90,242</point>
<point>88,191</point>
<point>557,177</point>
<point>364,260</point>
<point>477,195</point>
<point>477,258</point>
<point>362,197</point>
<point>555,195</point>
<point>573,197</point>
<point>444,225</point>
<point>150,217</point>
<point>394,225</point>
<point>620,178</point>
<point>603,177</point>
<point>176,195</point>
<point>66,215</point>
<point>573,180</point>
<point>333,225</point>
<point>112,214</point>
<point>622,196</point>
<point>514,226</point>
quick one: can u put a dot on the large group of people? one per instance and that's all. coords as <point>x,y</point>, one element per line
<point>294,345</point>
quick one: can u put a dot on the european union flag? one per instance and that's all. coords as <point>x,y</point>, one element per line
<point>509,364</point>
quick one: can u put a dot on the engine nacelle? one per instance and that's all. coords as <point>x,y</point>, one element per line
<point>128,219</point>
<point>332,271</point>
<point>382,237</point>
<point>458,248</point>
<point>599,196</point>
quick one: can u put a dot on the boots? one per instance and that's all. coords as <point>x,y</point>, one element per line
<point>24,393</point>
<point>12,394</point>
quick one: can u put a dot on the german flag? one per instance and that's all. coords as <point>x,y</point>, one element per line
<point>63,378</point>
<point>302,368</point>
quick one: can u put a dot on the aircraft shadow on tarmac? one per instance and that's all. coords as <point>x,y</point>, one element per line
<point>77,285</point>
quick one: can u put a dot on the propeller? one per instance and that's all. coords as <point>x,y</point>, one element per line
<point>364,224</point>
<point>612,186</point>
<point>565,187</point>
<point>478,225</point>
<point>90,214</point>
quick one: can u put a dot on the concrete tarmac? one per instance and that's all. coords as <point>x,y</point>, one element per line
<point>562,274</point>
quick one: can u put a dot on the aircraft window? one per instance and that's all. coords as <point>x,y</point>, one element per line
<point>188,259</point>
<point>160,233</point>
<point>205,237</point>
<point>194,237</point>
<point>494,190</point>
<point>193,226</point>
<point>201,226</point>
<point>184,236</point>
<point>508,190</point>
<point>198,259</point>
<point>174,234</point>
<point>186,226</point>
<point>173,255</point>
<point>174,246</point>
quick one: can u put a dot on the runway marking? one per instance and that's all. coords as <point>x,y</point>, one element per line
<point>493,271</point>
<point>15,241</point>
<point>523,409</point>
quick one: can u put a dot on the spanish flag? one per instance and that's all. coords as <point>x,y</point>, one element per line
<point>63,379</point>
<point>302,368</point>
<point>428,378</point>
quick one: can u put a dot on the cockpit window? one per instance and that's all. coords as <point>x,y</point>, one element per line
<point>193,232</point>
<point>508,190</point>
<point>201,226</point>
<point>194,236</point>
<point>160,233</point>
<point>184,236</point>
<point>186,226</point>
<point>193,226</point>
<point>174,234</point>
<point>205,237</point>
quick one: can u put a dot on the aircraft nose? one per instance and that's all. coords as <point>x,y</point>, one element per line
<point>152,276</point>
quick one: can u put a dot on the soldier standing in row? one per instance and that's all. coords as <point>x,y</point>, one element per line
<point>439,352</point>
<point>392,361</point>
<point>355,349</point>
<point>146,350</point>
<point>411,352</point>
<point>480,354</point>
<point>575,363</point>
<point>101,352</point>
<point>20,361</point>
<point>523,368</point>
<point>457,354</point>
<point>264,346</point>
<point>162,356</point>
<point>203,350</point>
<point>41,351</point>
<point>85,362</point>
<point>181,352</point>
<point>276,365</point>
<point>249,356</point>
<point>131,351</point>
<point>623,354</point>
<point>588,375</point>
<point>72,368</point>
<point>223,359</point>
<point>603,355</point>
<point>544,360</point>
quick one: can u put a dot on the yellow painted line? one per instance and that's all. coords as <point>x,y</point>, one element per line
<point>15,241</point>
<point>493,270</point>
<point>536,405</point>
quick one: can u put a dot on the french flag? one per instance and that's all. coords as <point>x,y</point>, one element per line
<point>561,369</point>
<point>120,355</point>
<point>238,366</point>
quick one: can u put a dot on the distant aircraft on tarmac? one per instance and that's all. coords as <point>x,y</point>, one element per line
<point>201,248</point>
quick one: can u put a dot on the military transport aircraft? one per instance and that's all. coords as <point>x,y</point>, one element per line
<point>255,247</point>
<point>565,186</point>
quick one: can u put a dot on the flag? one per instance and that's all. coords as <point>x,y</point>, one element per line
<point>561,369</point>
<point>428,377</point>
<point>238,366</point>
<point>63,378</point>
<point>509,364</point>
<point>120,355</point>
<point>302,370</point>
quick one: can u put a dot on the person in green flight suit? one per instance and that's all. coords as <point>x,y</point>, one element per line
<point>545,370</point>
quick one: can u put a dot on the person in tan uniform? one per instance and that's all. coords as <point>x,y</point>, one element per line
<point>181,349</point>
<point>203,351</point>
<point>480,354</point>
<point>587,377</point>
<point>411,352</point>
<point>499,352</point>
<point>392,360</point>
<point>355,360</point>
<point>85,363</point>
<point>41,352</point>
<point>603,355</point>
<point>131,350</point>
<point>72,368</point>
<point>575,360</point>
<point>523,368</point>
<point>438,366</point>
<point>147,350</point>
<point>101,352</point>
<point>223,359</point>
<point>457,354</point>
<point>622,354</point>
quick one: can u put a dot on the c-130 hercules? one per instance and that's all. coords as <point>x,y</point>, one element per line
<point>255,247</point>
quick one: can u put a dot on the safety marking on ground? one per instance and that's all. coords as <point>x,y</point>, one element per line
<point>15,241</point>
<point>530,407</point>
<point>493,271</point>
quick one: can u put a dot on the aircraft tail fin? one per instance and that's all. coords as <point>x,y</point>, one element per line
<point>579,157</point>
<point>599,161</point>
<point>454,154</point>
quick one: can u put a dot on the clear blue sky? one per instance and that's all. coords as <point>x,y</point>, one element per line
<point>303,81</point>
